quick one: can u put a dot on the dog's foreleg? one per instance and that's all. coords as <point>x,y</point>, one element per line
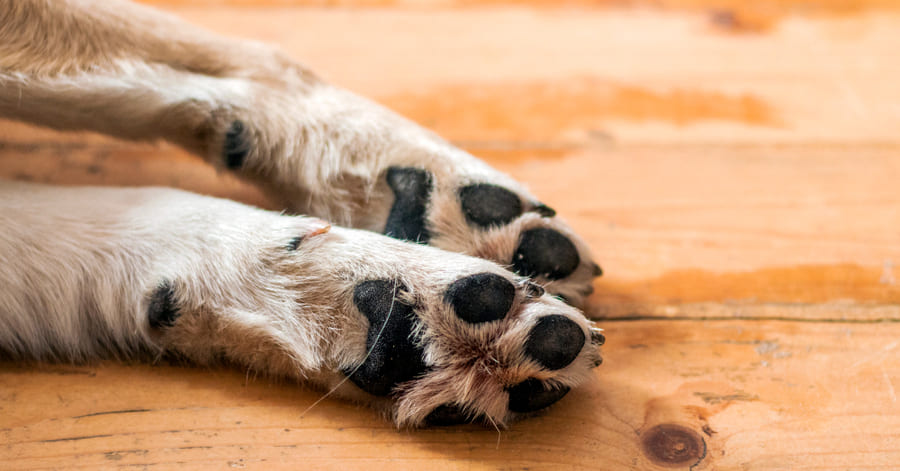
<point>99,272</point>
<point>129,71</point>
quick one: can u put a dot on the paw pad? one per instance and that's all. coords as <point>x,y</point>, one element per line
<point>531,395</point>
<point>162,310</point>
<point>392,357</point>
<point>235,148</point>
<point>448,414</point>
<point>554,342</point>
<point>412,189</point>
<point>486,205</point>
<point>545,252</point>
<point>484,297</point>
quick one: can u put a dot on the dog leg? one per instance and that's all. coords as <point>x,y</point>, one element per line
<point>425,335</point>
<point>128,71</point>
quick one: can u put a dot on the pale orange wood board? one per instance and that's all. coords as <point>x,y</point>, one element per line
<point>755,395</point>
<point>739,188</point>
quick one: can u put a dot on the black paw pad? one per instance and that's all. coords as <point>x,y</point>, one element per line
<point>554,341</point>
<point>393,357</point>
<point>235,148</point>
<point>447,414</point>
<point>484,297</point>
<point>531,395</point>
<point>162,310</point>
<point>545,252</point>
<point>294,244</point>
<point>412,188</point>
<point>486,205</point>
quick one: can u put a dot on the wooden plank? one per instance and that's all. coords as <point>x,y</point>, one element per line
<point>739,189</point>
<point>577,76</point>
<point>38,155</point>
<point>747,392</point>
<point>755,226</point>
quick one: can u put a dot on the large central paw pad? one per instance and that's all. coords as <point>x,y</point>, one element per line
<point>476,353</point>
<point>412,189</point>
<point>392,356</point>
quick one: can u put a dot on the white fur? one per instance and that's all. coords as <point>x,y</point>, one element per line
<point>78,266</point>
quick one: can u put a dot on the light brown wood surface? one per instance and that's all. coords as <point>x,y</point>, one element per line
<point>736,168</point>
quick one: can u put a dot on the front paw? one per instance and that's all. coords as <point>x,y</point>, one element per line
<point>487,215</point>
<point>453,339</point>
<point>485,348</point>
<point>428,336</point>
<point>351,162</point>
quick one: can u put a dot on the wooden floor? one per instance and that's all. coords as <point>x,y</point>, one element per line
<point>736,169</point>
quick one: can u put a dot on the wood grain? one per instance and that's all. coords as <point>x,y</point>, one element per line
<point>756,394</point>
<point>735,168</point>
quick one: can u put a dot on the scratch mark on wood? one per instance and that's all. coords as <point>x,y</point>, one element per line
<point>119,454</point>
<point>124,411</point>
<point>887,379</point>
<point>766,347</point>
<point>713,399</point>
<point>72,439</point>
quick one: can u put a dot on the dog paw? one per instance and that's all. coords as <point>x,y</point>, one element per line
<point>429,337</point>
<point>453,339</point>
<point>349,161</point>
<point>486,348</point>
<point>485,214</point>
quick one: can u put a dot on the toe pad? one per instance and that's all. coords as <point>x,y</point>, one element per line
<point>531,395</point>
<point>484,297</point>
<point>545,252</point>
<point>554,342</point>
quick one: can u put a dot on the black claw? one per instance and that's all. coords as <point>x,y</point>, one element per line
<point>544,210</point>
<point>393,356</point>
<point>447,414</point>
<point>484,297</point>
<point>235,148</point>
<point>486,205</point>
<point>547,253</point>
<point>533,290</point>
<point>554,342</point>
<point>596,270</point>
<point>162,310</point>
<point>597,338</point>
<point>412,190</point>
<point>531,395</point>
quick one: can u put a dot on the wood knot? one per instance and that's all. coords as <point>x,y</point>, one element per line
<point>673,445</point>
